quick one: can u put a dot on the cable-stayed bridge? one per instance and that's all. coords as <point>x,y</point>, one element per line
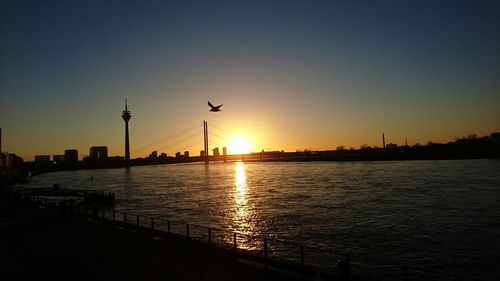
<point>190,142</point>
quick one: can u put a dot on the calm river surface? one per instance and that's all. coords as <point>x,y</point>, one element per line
<point>439,216</point>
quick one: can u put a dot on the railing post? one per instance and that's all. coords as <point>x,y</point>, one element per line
<point>302,255</point>
<point>137,220</point>
<point>187,230</point>
<point>344,267</point>
<point>114,215</point>
<point>152,224</point>
<point>168,227</point>
<point>209,236</point>
<point>235,245</point>
<point>265,252</point>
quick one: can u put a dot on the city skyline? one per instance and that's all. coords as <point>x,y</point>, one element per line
<point>292,75</point>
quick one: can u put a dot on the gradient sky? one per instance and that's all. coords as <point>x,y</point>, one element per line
<point>291,74</point>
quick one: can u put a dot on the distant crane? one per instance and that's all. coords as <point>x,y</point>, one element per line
<point>214,108</point>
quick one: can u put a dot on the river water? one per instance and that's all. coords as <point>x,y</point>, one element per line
<point>440,217</point>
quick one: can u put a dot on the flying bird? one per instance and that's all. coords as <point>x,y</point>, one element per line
<point>214,108</point>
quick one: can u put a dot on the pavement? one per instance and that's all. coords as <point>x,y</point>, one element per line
<point>42,244</point>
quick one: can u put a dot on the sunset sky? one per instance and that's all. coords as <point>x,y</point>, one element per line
<point>291,74</point>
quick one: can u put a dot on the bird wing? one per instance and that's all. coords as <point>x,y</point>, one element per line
<point>211,105</point>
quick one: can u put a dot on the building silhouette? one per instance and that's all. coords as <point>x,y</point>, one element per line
<point>42,158</point>
<point>216,152</point>
<point>224,153</point>
<point>391,146</point>
<point>98,153</point>
<point>58,158</point>
<point>10,160</point>
<point>71,155</point>
<point>153,154</point>
<point>126,117</point>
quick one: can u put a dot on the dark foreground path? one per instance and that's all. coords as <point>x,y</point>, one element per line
<point>39,244</point>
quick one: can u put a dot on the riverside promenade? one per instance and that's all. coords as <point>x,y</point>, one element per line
<point>42,244</point>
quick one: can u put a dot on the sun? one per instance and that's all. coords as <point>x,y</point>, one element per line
<point>239,145</point>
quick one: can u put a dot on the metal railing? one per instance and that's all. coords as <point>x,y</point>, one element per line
<point>267,250</point>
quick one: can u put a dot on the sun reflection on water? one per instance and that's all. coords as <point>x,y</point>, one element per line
<point>244,215</point>
<point>241,189</point>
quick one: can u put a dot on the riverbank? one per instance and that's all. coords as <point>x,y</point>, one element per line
<point>43,244</point>
<point>385,215</point>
